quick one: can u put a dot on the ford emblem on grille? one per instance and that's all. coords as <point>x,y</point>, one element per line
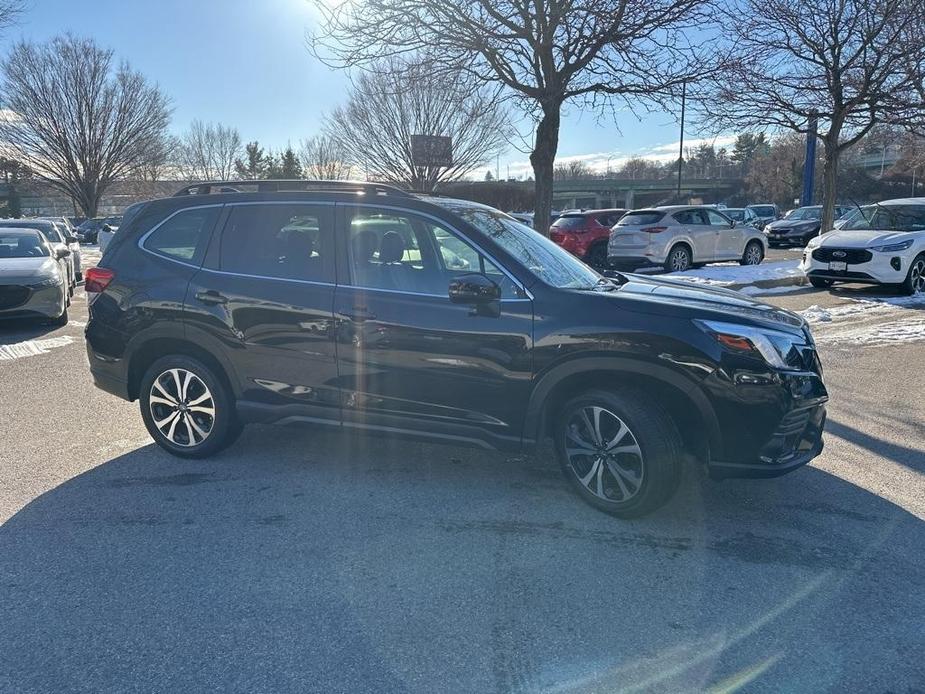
<point>838,254</point>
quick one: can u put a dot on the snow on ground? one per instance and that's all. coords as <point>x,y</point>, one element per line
<point>818,314</point>
<point>892,332</point>
<point>32,348</point>
<point>724,274</point>
<point>763,291</point>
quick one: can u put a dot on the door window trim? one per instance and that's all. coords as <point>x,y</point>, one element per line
<point>528,296</point>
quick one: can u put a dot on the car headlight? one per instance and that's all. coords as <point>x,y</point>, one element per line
<point>48,282</point>
<point>890,247</point>
<point>814,243</point>
<point>779,349</point>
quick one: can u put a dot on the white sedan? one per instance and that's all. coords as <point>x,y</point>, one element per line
<point>883,243</point>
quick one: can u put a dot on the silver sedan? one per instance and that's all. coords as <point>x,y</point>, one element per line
<point>33,276</point>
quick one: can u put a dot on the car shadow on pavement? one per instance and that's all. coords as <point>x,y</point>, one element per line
<point>313,561</point>
<point>21,330</point>
<point>913,458</point>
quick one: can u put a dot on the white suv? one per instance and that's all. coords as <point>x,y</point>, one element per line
<point>682,236</point>
<point>883,243</point>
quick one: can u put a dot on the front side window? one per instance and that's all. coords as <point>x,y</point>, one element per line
<point>183,236</point>
<point>716,219</point>
<point>400,251</point>
<point>279,241</point>
<point>543,258</point>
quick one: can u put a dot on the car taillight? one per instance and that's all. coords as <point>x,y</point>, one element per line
<point>96,279</point>
<point>654,230</point>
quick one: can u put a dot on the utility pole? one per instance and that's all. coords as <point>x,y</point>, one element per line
<point>809,163</point>
<point>681,152</point>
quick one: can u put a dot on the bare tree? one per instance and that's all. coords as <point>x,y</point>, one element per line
<point>208,151</point>
<point>574,170</point>
<point>401,98</point>
<point>159,161</point>
<point>323,158</point>
<point>10,11</point>
<point>76,120</point>
<point>543,52</point>
<point>850,64</point>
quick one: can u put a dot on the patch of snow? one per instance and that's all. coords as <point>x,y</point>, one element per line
<point>32,348</point>
<point>724,274</point>
<point>893,332</point>
<point>817,314</point>
<point>77,323</point>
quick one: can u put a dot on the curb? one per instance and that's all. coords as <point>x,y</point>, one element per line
<point>797,281</point>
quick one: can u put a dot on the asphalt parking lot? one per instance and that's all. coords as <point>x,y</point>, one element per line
<point>304,561</point>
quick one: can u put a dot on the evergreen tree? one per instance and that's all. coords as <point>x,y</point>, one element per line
<point>255,162</point>
<point>289,166</point>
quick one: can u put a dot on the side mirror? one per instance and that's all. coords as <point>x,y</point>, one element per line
<point>475,289</point>
<point>63,252</point>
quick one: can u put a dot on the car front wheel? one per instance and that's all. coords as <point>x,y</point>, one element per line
<point>620,452</point>
<point>753,255</point>
<point>915,278</point>
<point>186,408</point>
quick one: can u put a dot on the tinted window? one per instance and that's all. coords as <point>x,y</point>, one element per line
<point>764,210</point>
<point>737,215</point>
<point>283,241</point>
<point>404,252</point>
<point>688,217</point>
<point>47,228</point>
<point>183,236</point>
<point>640,219</point>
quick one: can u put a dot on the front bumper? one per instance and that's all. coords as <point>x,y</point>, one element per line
<point>797,441</point>
<point>22,301</point>
<point>880,269</point>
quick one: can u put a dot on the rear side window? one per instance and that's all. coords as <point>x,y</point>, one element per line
<point>288,241</point>
<point>183,235</point>
<point>640,219</point>
<point>569,222</point>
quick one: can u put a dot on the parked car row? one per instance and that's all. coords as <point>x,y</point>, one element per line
<point>675,237</point>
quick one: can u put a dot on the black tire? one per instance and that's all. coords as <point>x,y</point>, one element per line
<point>63,319</point>
<point>820,283</point>
<point>597,256</point>
<point>656,464</point>
<point>915,277</point>
<point>679,258</point>
<point>225,426</point>
<point>753,254</point>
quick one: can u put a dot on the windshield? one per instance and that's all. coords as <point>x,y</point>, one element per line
<point>737,215</point>
<point>763,210</point>
<point>547,261</point>
<point>47,228</point>
<point>21,244</point>
<point>569,222</point>
<point>888,218</point>
<point>806,213</point>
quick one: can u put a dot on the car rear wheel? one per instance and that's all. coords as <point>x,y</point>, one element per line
<point>915,278</point>
<point>753,255</point>
<point>186,408</point>
<point>820,283</point>
<point>679,259</point>
<point>620,452</point>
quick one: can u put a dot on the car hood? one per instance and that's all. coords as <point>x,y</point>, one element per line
<point>657,294</point>
<point>26,270</point>
<point>862,238</point>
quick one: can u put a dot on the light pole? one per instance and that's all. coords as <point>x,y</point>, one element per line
<point>681,148</point>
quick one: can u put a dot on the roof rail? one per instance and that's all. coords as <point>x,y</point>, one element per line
<point>289,186</point>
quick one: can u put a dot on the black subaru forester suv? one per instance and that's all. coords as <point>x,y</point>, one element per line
<point>361,306</point>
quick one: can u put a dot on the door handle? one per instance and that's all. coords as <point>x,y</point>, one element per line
<point>210,296</point>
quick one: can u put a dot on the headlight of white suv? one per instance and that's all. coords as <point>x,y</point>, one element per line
<point>775,346</point>
<point>891,247</point>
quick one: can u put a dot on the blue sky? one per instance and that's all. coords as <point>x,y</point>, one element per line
<point>244,63</point>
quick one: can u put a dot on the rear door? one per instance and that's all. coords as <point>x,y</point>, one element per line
<point>264,297</point>
<point>696,227</point>
<point>409,359</point>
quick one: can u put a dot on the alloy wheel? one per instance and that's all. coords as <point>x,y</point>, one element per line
<point>604,454</point>
<point>753,255</point>
<point>679,260</point>
<point>182,407</point>
<point>917,276</point>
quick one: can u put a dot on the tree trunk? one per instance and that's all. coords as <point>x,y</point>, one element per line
<point>543,159</point>
<point>829,180</point>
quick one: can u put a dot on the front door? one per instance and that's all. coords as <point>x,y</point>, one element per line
<point>408,358</point>
<point>729,239</point>
<point>265,294</point>
<point>702,236</point>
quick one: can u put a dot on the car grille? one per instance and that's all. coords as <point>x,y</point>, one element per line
<point>775,232</point>
<point>13,295</point>
<point>846,255</point>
